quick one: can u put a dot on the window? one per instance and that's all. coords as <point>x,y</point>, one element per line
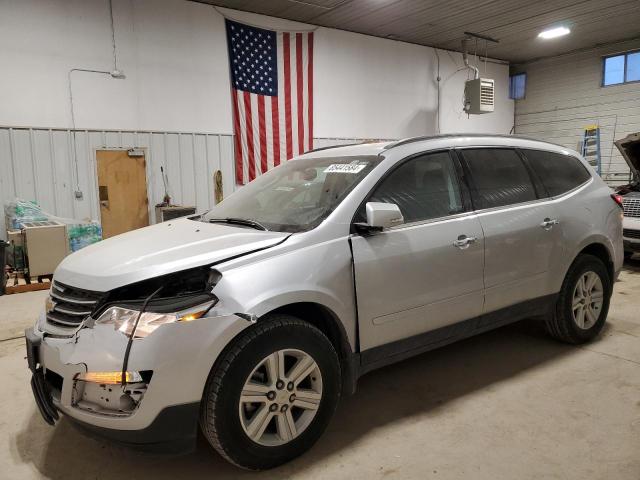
<point>423,188</point>
<point>558,173</point>
<point>499,177</point>
<point>633,67</point>
<point>517,86</point>
<point>296,196</point>
<point>622,68</point>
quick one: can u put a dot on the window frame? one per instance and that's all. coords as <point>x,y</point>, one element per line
<point>538,187</point>
<point>524,90</point>
<point>624,75</point>
<point>465,193</point>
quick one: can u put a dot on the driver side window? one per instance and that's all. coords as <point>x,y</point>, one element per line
<point>424,188</point>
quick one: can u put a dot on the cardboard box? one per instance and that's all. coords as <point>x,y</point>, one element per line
<point>45,245</point>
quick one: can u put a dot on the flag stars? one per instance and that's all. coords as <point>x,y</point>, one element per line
<point>253,61</point>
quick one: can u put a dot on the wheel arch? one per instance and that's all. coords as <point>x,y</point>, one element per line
<point>325,320</point>
<point>600,250</point>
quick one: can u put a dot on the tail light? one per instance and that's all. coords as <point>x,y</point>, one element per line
<point>618,199</point>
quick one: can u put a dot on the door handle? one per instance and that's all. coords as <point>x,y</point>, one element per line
<point>463,242</point>
<point>548,223</point>
<point>104,203</point>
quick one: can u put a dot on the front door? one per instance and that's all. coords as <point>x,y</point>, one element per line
<point>122,191</point>
<point>426,273</point>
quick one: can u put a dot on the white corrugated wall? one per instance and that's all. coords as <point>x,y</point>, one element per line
<point>564,94</point>
<point>38,164</point>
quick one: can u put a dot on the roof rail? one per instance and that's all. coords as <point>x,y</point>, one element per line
<point>406,141</point>
<point>319,149</point>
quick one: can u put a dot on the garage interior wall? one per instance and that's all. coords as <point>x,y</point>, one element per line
<point>173,53</point>
<point>37,164</point>
<point>564,94</point>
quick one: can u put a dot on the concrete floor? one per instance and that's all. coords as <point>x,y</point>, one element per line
<point>507,404</point>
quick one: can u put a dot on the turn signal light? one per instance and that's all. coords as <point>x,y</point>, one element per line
<point>109,378</point>
<point>192,316</point>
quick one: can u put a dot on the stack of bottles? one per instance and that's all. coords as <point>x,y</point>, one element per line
<point>20,211</point>
<point>80,233</point>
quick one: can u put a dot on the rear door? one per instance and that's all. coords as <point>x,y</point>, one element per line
<point>523,239</point>
<point>426,273</point>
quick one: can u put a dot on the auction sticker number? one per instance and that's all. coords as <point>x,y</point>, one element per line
<point>344,168</point>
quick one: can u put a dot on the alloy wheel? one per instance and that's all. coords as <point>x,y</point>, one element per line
<point>588,298</point>
<point>280,397</point>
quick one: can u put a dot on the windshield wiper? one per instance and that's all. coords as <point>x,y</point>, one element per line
<point>239,221</point>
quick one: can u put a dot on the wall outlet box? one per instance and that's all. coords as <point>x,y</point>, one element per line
<point>78,194</point>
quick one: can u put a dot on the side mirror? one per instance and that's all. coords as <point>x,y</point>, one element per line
<point>380,216</point>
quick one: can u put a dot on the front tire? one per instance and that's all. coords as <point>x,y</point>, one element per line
<point>583,302</point>
<point>271,394</point>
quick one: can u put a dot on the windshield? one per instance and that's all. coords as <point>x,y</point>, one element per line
<point>295,196</point>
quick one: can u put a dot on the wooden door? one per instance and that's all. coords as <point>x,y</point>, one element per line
<point>122,189</point>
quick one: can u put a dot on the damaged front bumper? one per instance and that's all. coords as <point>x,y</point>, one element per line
<point>159,411</point>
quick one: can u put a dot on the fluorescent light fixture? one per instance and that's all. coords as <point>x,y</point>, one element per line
<point>554,32</point>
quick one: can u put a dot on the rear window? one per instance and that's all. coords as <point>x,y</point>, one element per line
<point>559,173</point>
<point>499,177</point>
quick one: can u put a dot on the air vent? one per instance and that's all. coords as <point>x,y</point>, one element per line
<point>486,93</point>
<point>628,233</point>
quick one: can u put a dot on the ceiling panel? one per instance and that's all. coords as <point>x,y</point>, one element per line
<point>442,23</point>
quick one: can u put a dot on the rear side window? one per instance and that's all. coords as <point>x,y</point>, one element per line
<point>499,177</point>
<point>559,173</point>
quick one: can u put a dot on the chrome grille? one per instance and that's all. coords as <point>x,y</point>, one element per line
<point>631,206</point>
<point>69,307</point>
<point>631,233</point>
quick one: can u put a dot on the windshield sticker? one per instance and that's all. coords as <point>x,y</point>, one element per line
<point>344,168</point>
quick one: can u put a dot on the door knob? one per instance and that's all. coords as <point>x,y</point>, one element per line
<point>548,223</point>
<point>463,242</point>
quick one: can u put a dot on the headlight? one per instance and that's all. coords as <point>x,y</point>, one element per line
<point>123,319</point>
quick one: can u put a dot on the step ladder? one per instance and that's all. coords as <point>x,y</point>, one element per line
<point>590,148</point>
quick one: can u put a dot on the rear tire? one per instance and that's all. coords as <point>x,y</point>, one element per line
<point>250,369</point>
<point>583,303</point>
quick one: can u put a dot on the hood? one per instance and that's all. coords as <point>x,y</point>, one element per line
<point>157,250</point>
<point>629,147</point>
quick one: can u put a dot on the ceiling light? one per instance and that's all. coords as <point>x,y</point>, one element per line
<point>554,32</point>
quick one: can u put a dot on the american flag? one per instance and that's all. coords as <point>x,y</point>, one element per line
<point>272,96</point>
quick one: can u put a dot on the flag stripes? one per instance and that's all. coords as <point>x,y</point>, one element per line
<point>272,97</point>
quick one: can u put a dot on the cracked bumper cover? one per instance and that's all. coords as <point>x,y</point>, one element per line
<point>180,355</point>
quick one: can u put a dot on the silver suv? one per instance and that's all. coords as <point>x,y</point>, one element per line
<point>253,319</point>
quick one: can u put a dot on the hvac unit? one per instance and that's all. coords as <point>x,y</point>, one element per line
<point>479,96</point>
<point>45,245</point>
<point>169,213</point>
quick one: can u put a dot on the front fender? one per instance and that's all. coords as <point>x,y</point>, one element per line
<point>319,274</point>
